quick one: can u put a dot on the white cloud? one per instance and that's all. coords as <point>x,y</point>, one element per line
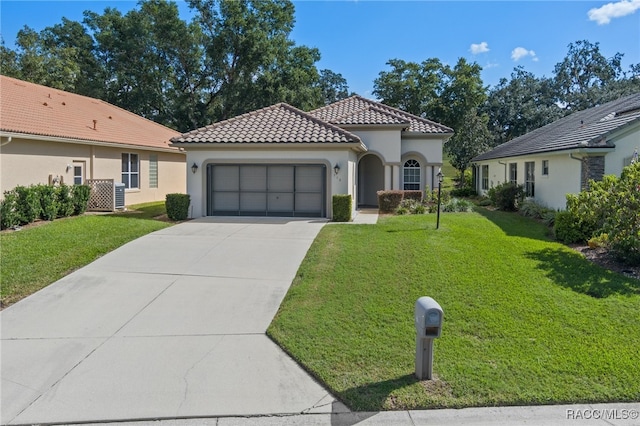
<point>520,52</point>
<point>479,48</point>
<point>491,65</point>
<point>603,15</point>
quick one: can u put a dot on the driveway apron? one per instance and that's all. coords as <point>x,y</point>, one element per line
<point>171,325</point>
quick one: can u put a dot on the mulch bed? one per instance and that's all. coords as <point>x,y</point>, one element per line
<point>600,256</point>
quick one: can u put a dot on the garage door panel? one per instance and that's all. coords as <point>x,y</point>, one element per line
<point>253,202</point>
<point>253,178</point>
<point>226,178</point>
<point>281,178</point>
<point>280,202</point>
<point>309,178</point>
<point>308,202</point>
<point>227,201</point>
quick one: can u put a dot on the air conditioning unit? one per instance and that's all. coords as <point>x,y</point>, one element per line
<point>119,195</point>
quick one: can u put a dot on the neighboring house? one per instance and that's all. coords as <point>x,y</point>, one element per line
<point>562,157</point>
<point>281,161</point>
<point>52,136</point>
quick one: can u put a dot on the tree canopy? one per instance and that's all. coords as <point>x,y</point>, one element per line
<point>233,57</point>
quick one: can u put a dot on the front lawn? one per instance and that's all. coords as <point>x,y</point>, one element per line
<point>527,320</point>
<point>41,254</point>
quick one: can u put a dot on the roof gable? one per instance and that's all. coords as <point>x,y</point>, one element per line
<point>356,110</point>
<point>280,123</point>
<point>583,129</point>
<point>33,109</point>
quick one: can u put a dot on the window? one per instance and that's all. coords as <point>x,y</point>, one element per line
<point>529,178</point>
<point>153,171</point>
<point>513,173</point>
<point>78,173</point>
<point>411,175</point>
<point>130,175</point>
<point>545,167</point>
<point>485,177</point>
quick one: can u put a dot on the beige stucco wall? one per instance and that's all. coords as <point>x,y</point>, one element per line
<point>31,161</point>
<point>342,183</point>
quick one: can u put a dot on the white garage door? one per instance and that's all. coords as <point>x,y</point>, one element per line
<point>266,190</point>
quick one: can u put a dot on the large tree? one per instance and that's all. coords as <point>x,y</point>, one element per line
<point>233,57</point>
<point>584,74</point>
<point>519,105</point>
<point>333,86</point>
<point>412,87</point>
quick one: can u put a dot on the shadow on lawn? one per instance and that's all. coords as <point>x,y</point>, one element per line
<point>516,225</point>
<point>372,396</point>
<point>572,271</point>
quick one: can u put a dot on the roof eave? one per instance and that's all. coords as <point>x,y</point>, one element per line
<point>357,146</point>
<point>431,135</point>
<point>60,139</point>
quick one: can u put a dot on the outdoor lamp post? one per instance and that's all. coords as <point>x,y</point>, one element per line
<point>440,178</point>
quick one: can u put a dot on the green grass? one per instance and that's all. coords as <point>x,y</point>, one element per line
<point>527,320</point>
<point>39,255</point>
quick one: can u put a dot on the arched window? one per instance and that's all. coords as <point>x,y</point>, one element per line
<point>411,175</point>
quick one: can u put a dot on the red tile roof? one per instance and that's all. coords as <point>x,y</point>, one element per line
<point>356,110</point>
<point>33,109</point>
<point>280,123</point>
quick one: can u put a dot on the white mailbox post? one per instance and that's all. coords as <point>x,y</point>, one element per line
<point>428,322</point>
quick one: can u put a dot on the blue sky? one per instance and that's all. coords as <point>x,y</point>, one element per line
<point>357,38</point>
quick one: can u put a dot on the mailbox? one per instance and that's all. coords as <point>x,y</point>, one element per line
<point>428,317</point>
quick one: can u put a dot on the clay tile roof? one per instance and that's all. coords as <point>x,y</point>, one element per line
<point>356,110</point>
<point>588,128</point>
<point>32,109</point>
<point>280,123</point>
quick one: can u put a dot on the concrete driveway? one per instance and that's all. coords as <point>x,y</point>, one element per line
<point>171,325</point>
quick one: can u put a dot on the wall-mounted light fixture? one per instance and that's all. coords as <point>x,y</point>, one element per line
<point>68,167</point>
<point>194,168</point>
<point>336,168</point>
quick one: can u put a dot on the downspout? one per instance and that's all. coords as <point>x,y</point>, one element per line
<point>9,139</point>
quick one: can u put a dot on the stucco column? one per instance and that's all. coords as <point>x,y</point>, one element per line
<point>387,178</point>
<point>396,177</point>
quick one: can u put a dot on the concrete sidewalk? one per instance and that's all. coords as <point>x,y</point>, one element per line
<point>171,325</point>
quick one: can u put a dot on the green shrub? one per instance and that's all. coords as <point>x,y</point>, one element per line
<point>622,223</point>
<point>484,202</point>
<point>9,216</point>
<point>568,229</point>
<point>466,191</point>
<point>549,217</point>
<point>342,207</point>
<point>64,201</point>
<point>593,206</point>
<point>457,205</point>
<point>389,201</point>
<point>28,204</point>
<point>411,206</point>
<point>507,196</point>
<point>177,206</point>
<point>80,195</point>
<point>601,240</point>
<point>48,202</point>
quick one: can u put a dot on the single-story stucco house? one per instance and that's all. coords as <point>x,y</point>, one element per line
<point>281,161</point>
<point>561,157</point>
<point>51,136</point>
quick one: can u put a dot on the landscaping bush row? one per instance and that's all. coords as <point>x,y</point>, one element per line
<point>389,201</point>
<point>609,207</point>
<point>23,205</point>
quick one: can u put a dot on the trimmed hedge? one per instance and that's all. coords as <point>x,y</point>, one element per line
<point>389,201</point>
<point>507,196</point>
<point>342,207</point>
<point>23,205</point>
<point>413,195</point>
<point>466,191</point>
<point>177,206</point>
